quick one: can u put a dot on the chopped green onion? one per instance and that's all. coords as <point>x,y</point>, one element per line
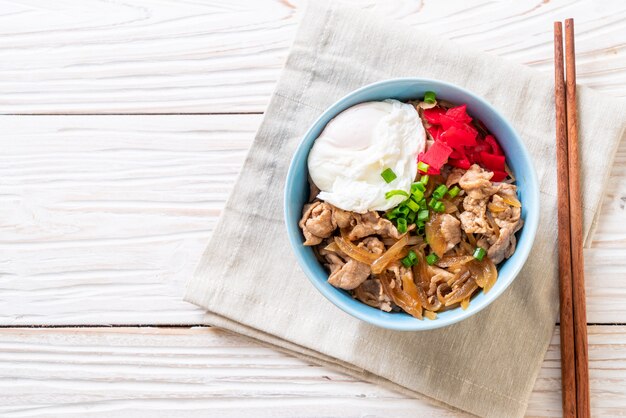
<point>403,210</point>
<point>402,226</point>
<point>479,253</point>
<point>420,229</point>
<point>422,215</point>
<point>424,180</point>
<point>411,217</point>
<point>410,260</point>
<point>391,215</point>
<point>418,186</point>
<point>454,192</point>
<point>432,259</point>
<point>422,166</point>
<point>411,204</point>
<point>430,97</point>
<point>388,175</point>
<point>432,202</point>
<point>423,205</point>
<point>439,207</point>
<point>393,193</point>
<point>418,195</point>
<point>440,191</point>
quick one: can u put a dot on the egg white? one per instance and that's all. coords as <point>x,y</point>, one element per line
<point>347,159</point>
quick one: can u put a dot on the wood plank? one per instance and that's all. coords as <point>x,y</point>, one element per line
<point>144,56</point>
<point>104,218</point>
<point>162,372</point>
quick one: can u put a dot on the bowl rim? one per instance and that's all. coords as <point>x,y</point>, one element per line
<point>531,223</point>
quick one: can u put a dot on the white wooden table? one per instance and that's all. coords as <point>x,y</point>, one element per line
<point>125,124</point>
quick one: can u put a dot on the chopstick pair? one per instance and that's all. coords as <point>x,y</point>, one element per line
<point>574,356</point>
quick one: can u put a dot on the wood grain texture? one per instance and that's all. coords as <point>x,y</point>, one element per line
<point>201,371</point>
<point>144,56</point>
<point>103,218</point>
<point>579,300</point>
<point>566,308</point>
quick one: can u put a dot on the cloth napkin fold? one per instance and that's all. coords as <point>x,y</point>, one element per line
<point>249,280</point>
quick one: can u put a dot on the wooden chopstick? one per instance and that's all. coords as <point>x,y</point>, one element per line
<point>568,363</point>
<point>576,228</point>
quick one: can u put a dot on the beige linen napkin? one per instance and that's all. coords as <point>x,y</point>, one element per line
<point>249,280</point>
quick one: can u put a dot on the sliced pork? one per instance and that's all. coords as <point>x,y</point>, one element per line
<point>317,222</point>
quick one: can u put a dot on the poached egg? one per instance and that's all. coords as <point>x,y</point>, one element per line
<point>357,145</point>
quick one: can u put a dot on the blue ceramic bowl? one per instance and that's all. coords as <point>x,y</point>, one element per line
<point>518,159</point>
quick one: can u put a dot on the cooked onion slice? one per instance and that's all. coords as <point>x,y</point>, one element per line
<point>449,206</point>
<point>484,273</point>
<point>413,240</point>
<point>352,251</point>
<point>497,207</point>
<point>463,292</point>
<point>430,314</point>
<point>409,286</point>
<point>460,277</point>
<point>434,237</point>
<point>492,223</point>
<point>442,291</point>
<point>510,200</point>
<point>453,261</point>
<point>471,239</point>
<point>421,271</point>
<point>430,303</point>
<point>400,297</point>
<point>379,265</point>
